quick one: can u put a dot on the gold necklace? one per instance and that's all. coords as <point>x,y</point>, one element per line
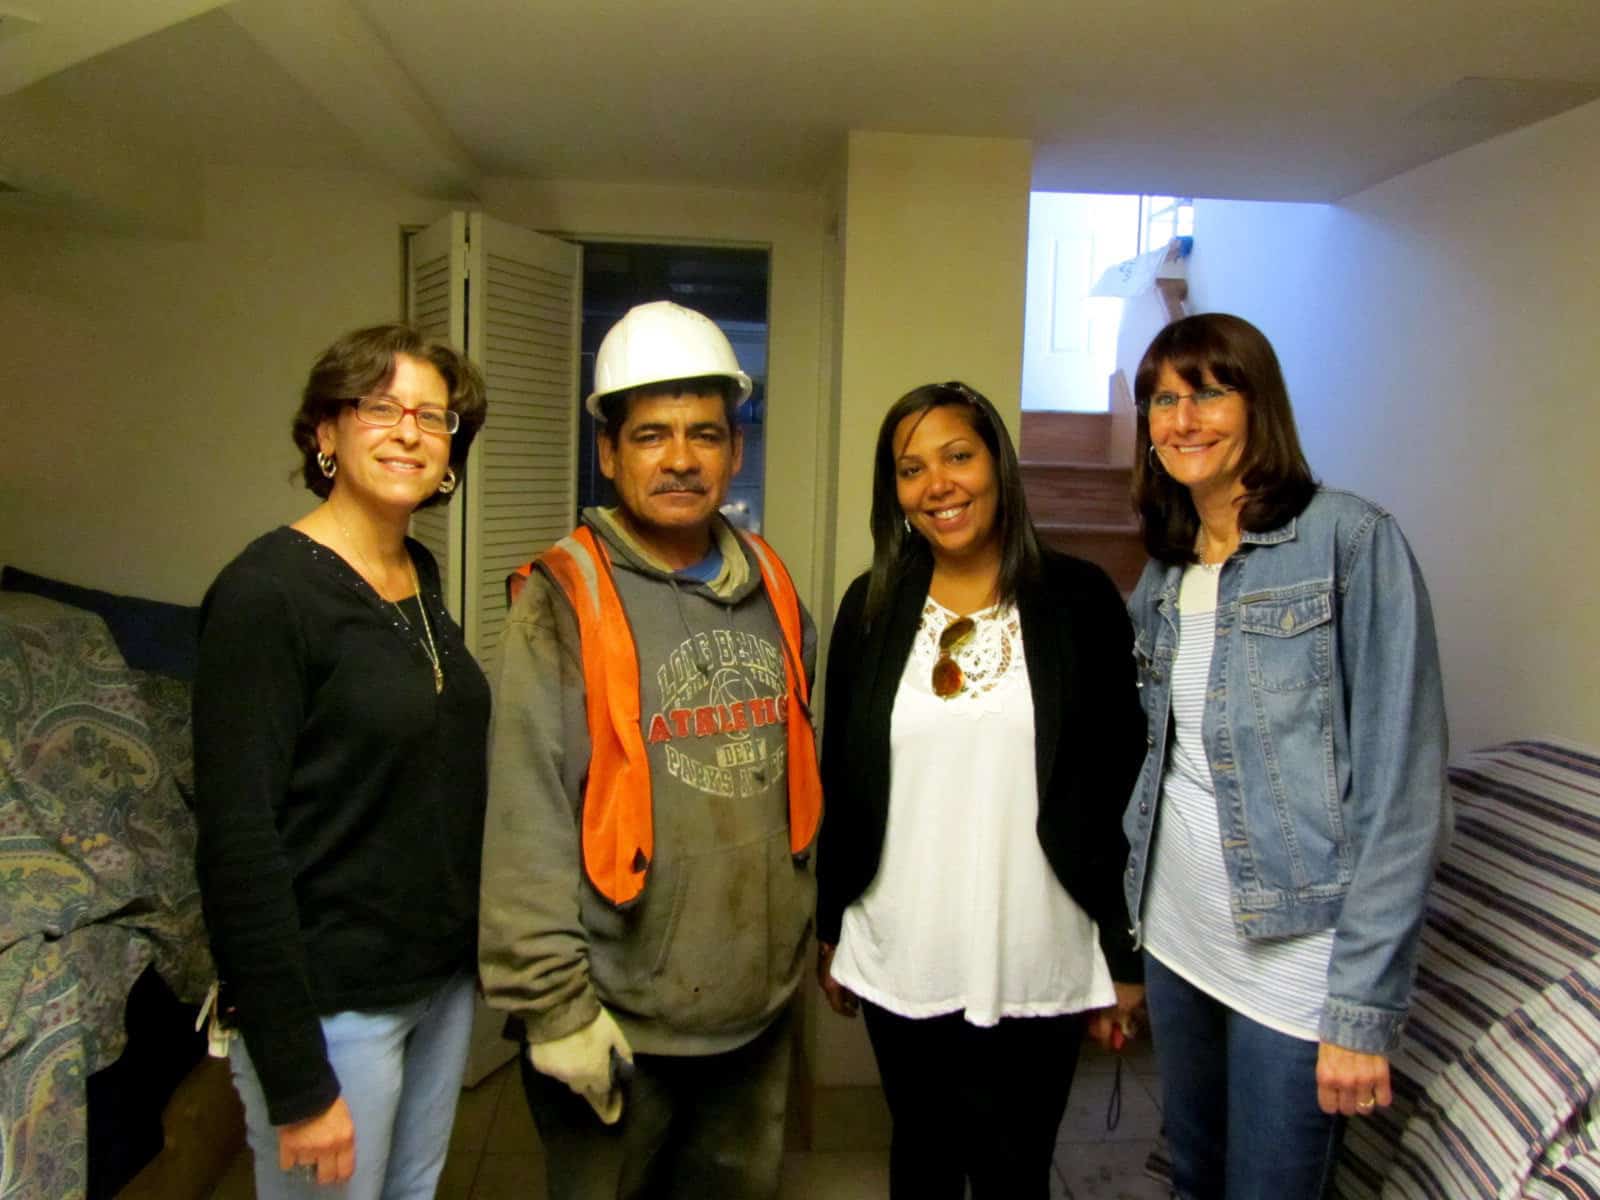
<point>416,586</point>
<point>365,569</point>
<point>433,652</point>
<point>1200,542</point>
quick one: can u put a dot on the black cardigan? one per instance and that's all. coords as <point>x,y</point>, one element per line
<point>1089,736</point>
<point>339,802</point>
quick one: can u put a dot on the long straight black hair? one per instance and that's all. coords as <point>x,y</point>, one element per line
<point>894,547</point>
<point>1277,479</point>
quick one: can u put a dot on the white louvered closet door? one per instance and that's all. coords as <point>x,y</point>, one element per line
<point>436,303</point>
<point>517,293</point>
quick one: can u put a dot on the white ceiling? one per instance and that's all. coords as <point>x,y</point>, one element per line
<point>1265,99</point>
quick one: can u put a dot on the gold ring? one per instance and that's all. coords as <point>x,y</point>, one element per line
<point>1368,1104</point>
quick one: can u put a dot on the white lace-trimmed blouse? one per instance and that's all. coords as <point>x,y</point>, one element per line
<point>965,914</point>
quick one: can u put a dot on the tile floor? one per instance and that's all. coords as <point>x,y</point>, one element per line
<point>494,1149</point>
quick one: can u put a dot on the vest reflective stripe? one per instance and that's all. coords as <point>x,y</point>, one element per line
<point>618,833</point>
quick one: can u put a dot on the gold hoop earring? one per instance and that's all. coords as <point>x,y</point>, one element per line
<point>448,483</point>
<point>327,464</point>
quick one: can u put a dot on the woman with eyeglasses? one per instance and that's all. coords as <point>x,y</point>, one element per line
<point>340,728</point>
<point>1292,806</point>
<point>982,732</point>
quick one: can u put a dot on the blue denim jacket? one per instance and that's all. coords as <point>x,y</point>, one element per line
<point>1325,729</point>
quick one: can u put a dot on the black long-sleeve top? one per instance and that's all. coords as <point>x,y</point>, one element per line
<point>1089,738</point>
<point>339,801</point>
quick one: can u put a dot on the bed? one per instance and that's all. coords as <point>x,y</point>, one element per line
<point>100,925</point>
<point>1496,1079</point>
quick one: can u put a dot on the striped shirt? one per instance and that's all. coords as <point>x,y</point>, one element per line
<point>1281,983</point>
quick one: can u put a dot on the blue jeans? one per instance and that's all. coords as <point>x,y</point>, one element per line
<point>1239,1100</point>
<point>399,1072</point>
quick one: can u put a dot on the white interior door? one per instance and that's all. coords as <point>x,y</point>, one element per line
<point>436,303</point>
<point>1069,337</point>
<point>524,321</point>
<point>511,297</point>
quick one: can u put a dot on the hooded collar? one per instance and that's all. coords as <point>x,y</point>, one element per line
<point>738,577</point>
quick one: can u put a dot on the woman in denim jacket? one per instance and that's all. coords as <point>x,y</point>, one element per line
<point>1290,676</point>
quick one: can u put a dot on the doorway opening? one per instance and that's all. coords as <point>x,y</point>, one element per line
<point>730,286</point>
<point>1093,260</point>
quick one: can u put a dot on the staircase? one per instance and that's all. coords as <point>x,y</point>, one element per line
<point>1077,468</point>
<point>1081,502</point>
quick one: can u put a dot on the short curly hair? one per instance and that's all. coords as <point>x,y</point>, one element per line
<point>360,363</point>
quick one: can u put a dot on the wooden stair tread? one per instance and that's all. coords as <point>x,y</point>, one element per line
<point>1050,464</point>
<point>1066,435</point>
<point>1099,527</point>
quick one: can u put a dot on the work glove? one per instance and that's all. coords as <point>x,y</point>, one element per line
<point>583,1061</point>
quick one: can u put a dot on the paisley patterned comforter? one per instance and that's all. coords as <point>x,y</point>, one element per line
<point>96,875</point>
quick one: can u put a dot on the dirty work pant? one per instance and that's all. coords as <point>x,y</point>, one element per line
<point>1239,1100</point>
<point>692,1127</point>
<point>973,1102</point>
<point>399,1072</point>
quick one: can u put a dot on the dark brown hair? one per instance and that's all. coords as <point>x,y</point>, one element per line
<point>1277,480</point>
<point>894,547</point>
<point>361,363</point>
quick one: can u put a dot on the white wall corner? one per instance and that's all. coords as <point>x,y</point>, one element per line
<point>329,48</point>
<point>64,170</point>
<point>42,37</point>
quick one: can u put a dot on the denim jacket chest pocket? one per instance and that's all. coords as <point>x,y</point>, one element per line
<point>1296,827</point>
<point>1288,637</point>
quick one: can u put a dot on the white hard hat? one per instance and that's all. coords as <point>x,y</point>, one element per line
<point>657,343</point>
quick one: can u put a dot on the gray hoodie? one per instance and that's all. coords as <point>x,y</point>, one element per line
<point>714,948</point>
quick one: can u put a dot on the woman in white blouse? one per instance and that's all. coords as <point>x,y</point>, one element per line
<point>982,733</point>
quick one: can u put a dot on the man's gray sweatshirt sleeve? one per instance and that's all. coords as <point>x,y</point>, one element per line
<point>533,952</point>
<point>808,647</point>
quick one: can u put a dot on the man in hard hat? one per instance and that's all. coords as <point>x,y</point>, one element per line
<point>653,799</point>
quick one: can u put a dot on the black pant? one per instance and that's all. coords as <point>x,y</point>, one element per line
<point>696,1127</point>
<point>973,1103</point>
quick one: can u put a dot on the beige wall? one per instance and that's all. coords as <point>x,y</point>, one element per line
<point>933,241</point>
<point>148,383</point>
<point>934,251</point>
<point>1438,334</point>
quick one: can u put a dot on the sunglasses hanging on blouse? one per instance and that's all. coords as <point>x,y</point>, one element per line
<point>947,677</point>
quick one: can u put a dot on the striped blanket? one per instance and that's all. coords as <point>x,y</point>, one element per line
<point>1495,1081</point>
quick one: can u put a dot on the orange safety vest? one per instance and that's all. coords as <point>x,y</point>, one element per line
<point>618,819</point>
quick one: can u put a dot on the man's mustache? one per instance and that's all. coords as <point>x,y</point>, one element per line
<point>679,484</point>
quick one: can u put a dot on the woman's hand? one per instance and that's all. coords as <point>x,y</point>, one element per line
<point>326,1142</point>
<point>1113,1028</point>
<point>1350,1082</point>
<point>840,998</point>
